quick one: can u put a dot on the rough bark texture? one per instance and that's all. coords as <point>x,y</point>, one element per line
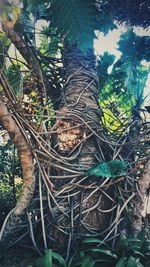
<point>138,202</point>
<point>77,213</point>
<point>26,159</point>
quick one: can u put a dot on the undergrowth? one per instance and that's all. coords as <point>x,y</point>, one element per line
<point>128,252</point>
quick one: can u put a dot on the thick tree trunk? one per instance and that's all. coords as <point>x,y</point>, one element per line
<point>14,218</point>
<point>79,205</point>
<point>139,211</point>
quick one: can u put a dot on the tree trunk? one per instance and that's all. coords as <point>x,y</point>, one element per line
<point>139,200</point>
<point>76,140</point>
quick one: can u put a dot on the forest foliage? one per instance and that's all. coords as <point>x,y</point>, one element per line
<point>35,80</point>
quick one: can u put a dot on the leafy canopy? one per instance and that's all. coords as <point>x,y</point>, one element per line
<point>122,91</point>
<point>74,20</point>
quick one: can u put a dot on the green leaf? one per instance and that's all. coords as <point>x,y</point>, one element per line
<point>126,82</point>
<point>40,262</point>
<point>82,254</point>
<point>132,262</point>
<point>50,42</point>
<point>142,235</point>
<point>140,265</point>
<point>48,258</point>
<point>88,262</point>
<point>104,251</point>
<point>94,240</point>
<point>134,47</point>
<point>138,253</point>
<point>122,262</point>
<point>14,76</point>
<point>59,258</point>
<point>113,168</point>
<point>104,62</point>
<point>77,21</point>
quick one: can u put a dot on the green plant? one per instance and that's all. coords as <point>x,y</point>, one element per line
<point>50,259</point>
<point>93,252</point>
<point>122,90</point>
<point>129,252</point>
<point>113,169</point>
<point>9,170</point>
<point>73,14</point>
<point>14,77</point>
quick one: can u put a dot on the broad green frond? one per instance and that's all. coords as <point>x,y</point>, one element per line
<point>122,91</point>
<point>127,80</point>
<point>77,20</point>
<point>37,8</point>
<point>134,47</point>
<point>113,168</point>
<point>25,24</point>
<point>14,77</point>
<point>50,42</point>
<point>104,62</point>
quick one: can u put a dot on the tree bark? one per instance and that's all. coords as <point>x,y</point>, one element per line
<point>78,211</point>
<point>140,198</point>
<point>26,159</point>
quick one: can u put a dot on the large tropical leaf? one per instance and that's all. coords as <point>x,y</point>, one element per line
<point>113,168</point>
<point>122,91</point>
<point>77,20</point>
<point>104,62</point>
<point>134,47</point>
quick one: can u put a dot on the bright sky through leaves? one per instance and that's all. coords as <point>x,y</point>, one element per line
<point>108,43</point>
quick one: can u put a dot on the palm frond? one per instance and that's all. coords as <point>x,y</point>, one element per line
<point>80,20</point>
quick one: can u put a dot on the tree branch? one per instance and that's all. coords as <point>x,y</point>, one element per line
<point>26,159</point>
<point>28,55</point>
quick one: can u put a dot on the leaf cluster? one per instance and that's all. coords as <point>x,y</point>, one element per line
<point>133,12</point>
<point>121,91</point>
<point>75,20</point>
<point>13,73</point>
<point>128,252</point>
<point>9,168</point>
